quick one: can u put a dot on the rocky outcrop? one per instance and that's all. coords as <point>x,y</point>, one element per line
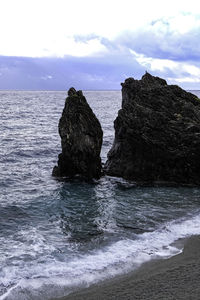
<point>81,139</point>
<point>157,133</point>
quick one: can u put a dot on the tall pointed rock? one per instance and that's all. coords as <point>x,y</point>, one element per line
<point>81,139</point>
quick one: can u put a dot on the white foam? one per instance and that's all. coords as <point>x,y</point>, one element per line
<point>56,278</point>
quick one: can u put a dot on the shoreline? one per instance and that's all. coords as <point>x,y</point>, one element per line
<point>177,277</point>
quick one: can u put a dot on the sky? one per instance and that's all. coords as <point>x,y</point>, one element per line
<point>97,44</point>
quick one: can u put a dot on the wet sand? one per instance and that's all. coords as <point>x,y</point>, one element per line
<point>175,278</point>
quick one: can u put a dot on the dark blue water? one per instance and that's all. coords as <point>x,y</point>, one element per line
<point>56,237</point>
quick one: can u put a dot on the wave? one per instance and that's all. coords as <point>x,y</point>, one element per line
<point>56,278</point>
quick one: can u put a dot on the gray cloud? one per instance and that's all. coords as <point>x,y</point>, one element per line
<point>164,43</point>
<point>61,73</point>
<point>105,71</point>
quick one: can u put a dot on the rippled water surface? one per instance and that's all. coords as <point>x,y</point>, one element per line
<point>59,236</point>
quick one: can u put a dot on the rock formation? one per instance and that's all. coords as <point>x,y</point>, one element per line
<point>157,134</point>
<point>81,139</point>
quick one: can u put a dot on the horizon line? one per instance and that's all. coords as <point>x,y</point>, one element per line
<point>26,90</point>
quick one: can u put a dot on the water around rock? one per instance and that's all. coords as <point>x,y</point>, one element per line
<point>58,236</point>
<point>81,139</point>
<point>157,133</point>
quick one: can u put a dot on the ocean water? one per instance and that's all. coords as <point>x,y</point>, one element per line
<point>57,237</point>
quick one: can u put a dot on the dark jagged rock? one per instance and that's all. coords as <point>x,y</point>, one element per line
<point>157,134</point>
<point>81,139</point>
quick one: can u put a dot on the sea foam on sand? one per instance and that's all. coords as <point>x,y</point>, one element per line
<point>174,278</point>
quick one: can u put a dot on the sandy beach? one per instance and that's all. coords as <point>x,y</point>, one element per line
<point>175,278</point>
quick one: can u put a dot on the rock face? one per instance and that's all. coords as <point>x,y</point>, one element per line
<point>81,139</point>
<point>157,133</point>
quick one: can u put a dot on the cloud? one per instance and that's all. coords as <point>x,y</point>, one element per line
<point>85,73</point>
<point>129,55</point>
<point>46,77</point>
<point>95,45</point>
<point>59,47</point>
<point>173,71</point>
<point>162,39</point>
<point>166,48</point>
<point>47,28</point>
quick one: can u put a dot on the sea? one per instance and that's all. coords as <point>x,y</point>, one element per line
<point>57,237</point>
